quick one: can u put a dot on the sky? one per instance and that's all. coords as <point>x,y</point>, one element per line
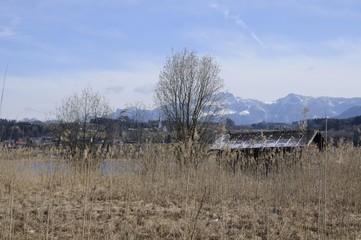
<point>266,49</point>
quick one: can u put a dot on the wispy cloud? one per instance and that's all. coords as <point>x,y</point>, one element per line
<point>89,2</point>
<point>237,20</point>
<point>145,89</point>
<point>257,39</point>
<point>108,33</point>
<point>309,69</point>
<point>8,30</point>
<point>345,9</point>
<point>33,110</point>
<point>114,89</point>
<point>345,45</point>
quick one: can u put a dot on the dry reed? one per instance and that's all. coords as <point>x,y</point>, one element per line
<point>156,191</point>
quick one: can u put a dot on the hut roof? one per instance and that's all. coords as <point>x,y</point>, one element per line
<point>265,139</point>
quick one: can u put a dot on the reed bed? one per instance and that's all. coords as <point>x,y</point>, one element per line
<point>182,192</point>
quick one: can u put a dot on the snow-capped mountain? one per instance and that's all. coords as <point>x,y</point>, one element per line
<point>288,109</point>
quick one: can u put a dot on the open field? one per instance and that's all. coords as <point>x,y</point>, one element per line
<point>198,199</point>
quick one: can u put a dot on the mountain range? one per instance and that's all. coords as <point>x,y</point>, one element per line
<point>288,109</point>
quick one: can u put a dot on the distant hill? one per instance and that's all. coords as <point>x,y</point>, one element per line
<point>142,115</point>
<point>351,112</point>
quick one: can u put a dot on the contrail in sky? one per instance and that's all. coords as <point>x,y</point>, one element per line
<point>237,19</point>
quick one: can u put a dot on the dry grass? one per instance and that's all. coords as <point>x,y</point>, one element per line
<point>177,192</point>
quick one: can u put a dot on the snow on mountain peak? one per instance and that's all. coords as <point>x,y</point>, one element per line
<point>284,110</point>
<point>244,112</point>
<point>287,109</point>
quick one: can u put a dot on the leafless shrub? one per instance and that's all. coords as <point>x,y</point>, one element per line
<point>81,138</point>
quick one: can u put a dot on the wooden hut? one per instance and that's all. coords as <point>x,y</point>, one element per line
<point>255,144</point>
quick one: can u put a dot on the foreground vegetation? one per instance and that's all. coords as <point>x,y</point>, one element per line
<point>178,192</point>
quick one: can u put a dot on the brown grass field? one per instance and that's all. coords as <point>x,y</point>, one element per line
<point>172,192</point>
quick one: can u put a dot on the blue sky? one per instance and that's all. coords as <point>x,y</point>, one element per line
<point>266,48</point>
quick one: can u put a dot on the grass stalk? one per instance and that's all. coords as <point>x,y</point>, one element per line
<point>11,213</point>
<point>198,212</point>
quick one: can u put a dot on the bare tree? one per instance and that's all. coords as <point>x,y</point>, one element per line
<point>80,124</point>
<point>189,92</point>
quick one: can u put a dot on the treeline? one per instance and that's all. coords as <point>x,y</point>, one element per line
<point>337,129</point>
<point>13,130</point>
<point>125,122</point>
<point>348,129</point>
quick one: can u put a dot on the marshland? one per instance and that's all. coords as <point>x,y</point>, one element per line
<point>180,191</point>
<point>96,177</point>
<point>111,112</point>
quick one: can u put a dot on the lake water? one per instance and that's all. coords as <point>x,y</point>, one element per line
<point>105,168</point>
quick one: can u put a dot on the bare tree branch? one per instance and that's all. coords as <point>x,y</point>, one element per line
<point>188,92</point>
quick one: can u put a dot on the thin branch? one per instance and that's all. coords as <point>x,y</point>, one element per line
<point>3,88</point>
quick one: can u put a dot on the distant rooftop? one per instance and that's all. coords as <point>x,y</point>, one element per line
<point>267,139</point>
